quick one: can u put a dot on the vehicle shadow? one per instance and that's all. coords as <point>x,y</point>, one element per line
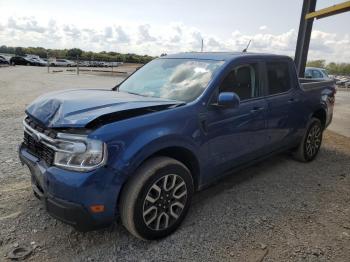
<point>234,178</point>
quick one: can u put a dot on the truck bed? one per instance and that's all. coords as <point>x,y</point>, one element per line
<point>311,84</point>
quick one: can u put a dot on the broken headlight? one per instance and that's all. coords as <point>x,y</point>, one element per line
<point>79,153</point>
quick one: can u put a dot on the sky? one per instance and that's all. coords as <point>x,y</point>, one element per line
<point>154,27</point>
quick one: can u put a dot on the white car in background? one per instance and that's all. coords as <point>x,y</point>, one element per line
<point>316,73</point>
<point>62,62</point>
<point>115,64</point>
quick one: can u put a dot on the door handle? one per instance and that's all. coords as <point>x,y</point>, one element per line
<point>257,109</point>
<point>293,100</point>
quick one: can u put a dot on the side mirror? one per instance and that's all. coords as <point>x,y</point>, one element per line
<point>308,76</point>
<point>228,100</point>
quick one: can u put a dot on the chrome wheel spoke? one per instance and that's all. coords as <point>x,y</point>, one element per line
<point>178,193</point>
<point>152,210</point>
<point>154,194</point>
<point>169,182</point>
<point>174,207</point>
<point>162,221</point>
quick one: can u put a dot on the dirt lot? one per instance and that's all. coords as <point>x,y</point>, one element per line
<point>278,210</point>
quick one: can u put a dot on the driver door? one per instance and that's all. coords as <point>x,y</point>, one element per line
<point>237,135</point>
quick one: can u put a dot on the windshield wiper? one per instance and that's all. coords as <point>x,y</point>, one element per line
<point>136,94</point>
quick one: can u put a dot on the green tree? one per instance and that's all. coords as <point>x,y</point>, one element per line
<point>74,53</point>
<point>317,63</point>
<point>19,51</point>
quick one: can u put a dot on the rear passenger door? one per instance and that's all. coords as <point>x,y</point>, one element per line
<point>283,104</point>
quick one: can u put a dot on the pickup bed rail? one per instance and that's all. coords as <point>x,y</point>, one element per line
<point>310,84</point>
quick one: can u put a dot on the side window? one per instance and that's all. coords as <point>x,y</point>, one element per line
<point>278,77</point>
<point>316,74</point>
<point>308,74</point>
<point>243,80</point>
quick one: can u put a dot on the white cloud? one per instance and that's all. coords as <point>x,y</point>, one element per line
<point>144,34</point>
<point>122,36</point>
<point>26,24</point>
<point>169,38</point>
<point>108,32</point>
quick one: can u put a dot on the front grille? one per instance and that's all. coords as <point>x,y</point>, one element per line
<point>40,128</point>
<point>38,149</point>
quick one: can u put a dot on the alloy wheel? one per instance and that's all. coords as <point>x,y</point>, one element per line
<point>164,202</point>
<point>313,141</point>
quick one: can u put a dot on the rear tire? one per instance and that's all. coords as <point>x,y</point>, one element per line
<point>311,142</point>
<point>156,199</point>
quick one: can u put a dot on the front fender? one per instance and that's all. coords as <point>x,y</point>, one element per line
<point>137,153</point>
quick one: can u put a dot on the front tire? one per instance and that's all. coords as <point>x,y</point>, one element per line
<point>311,142</point>
<point>156,199</point>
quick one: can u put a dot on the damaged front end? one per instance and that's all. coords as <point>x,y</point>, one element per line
<point>130,113</point>
<point>69,147</point>
<point>68,151</point>
<point>74,109</point>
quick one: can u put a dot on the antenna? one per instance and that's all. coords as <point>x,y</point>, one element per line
<point>202,46</point>
<point>245,49</point>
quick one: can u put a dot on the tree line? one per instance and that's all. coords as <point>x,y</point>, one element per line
<point>76,52</point>
<point>332,68</point>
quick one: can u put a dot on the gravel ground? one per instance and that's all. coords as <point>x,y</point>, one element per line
<point>341,118</point>
<point>278,210</point>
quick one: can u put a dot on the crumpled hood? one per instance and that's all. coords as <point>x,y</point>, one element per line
<point>76,108</point>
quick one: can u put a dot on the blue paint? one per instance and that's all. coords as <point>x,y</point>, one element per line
<point>218,138</point>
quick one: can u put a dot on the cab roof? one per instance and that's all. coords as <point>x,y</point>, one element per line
<point>221,56</point>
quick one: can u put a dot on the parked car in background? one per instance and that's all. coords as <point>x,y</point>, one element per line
<point>115,64</point>
<point>84,63</point>
<point>20,60</point>
<point>62,62</point>
<point>316,73</point>
<point>342,81</point>
<point>37,60</point>
<point>177,125</point>
<point>4,61</point>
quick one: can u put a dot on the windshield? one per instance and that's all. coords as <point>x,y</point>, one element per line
<point>176,79</point>
<point>325,72</point>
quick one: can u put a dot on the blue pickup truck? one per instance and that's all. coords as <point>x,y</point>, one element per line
<point>140,150</point>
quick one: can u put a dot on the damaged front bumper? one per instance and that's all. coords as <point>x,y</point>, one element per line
<point>67,195</point>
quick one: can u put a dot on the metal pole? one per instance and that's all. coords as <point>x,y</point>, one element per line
<point>48,62</point>
<point>202,46</point>
<point>304,36</point>
<point>77,64</point>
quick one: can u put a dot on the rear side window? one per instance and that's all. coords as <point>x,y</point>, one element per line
<point>278,77</point>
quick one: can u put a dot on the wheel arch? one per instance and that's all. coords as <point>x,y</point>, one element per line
<point>185,156</point>
<point>179,152</point>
